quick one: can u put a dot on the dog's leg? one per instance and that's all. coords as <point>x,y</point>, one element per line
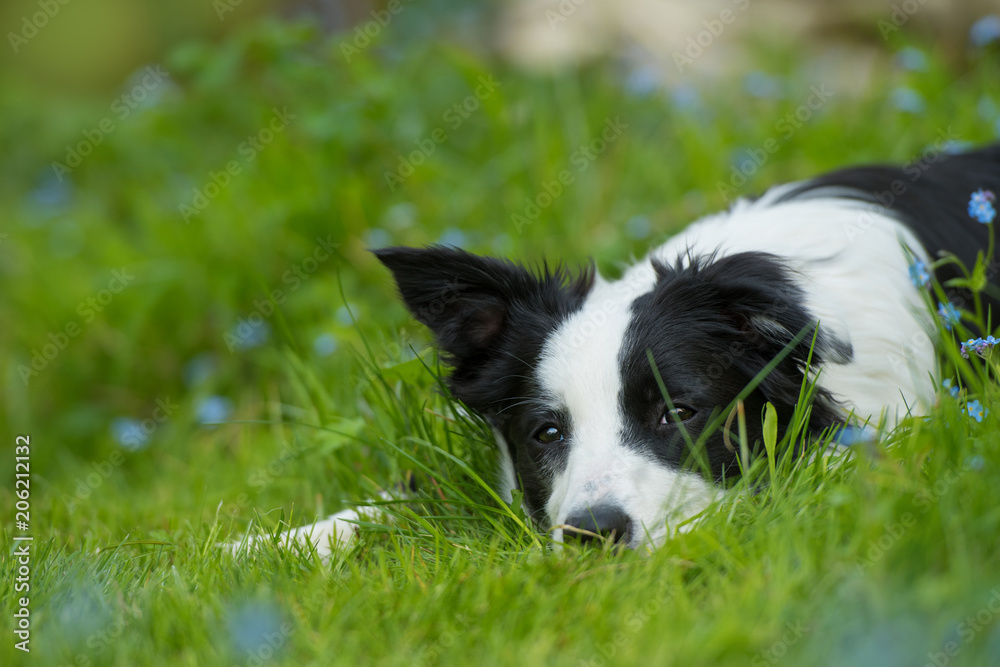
<point>335,533</point>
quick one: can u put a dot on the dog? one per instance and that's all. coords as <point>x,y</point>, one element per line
<point>606,396</point>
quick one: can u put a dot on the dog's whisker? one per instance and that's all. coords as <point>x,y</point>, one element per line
<point>518,404</point>
<point>514,356</point>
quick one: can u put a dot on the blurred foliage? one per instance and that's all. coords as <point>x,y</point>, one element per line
<point>333,395</point>
<point>353,113</point>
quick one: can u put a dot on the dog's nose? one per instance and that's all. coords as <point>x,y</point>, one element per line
<point>609,522</point>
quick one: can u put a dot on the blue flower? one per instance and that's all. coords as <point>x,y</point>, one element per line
<point>971,345</point>
<point>985,30</point>
<point>324,345</point>
<point>976,410</point>
<point>919,274</point>
<point>246,335</point>
<point>377,237</point>
<point>643,81</point>
<point>981,206</point>
<point>454,237</point>
<point>979,345</point>
<point>130,433</point>
<point>912,59</point>
<point>200,369</point>
<point>760,84</point>
<point>638,227</point>
<point>949,314</point>
<point>909,100</point>
<point>850,436</point>
<point>953,389</point>
<point>213,409</point>
<point>252,626</point>
<point>686,98</point>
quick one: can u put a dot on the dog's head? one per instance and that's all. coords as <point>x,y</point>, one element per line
<point>560,365</point>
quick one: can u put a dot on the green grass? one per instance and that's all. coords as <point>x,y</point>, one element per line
<point>878,561</point>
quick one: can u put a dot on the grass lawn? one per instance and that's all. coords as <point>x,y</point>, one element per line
<point>206,261</point>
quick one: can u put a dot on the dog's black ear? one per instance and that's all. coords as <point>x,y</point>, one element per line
<point>478,306</point>
<point>758,309</point>
<point>463,298</point>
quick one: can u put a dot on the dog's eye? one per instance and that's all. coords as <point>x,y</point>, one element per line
<point>679,412</point>
<point>548,434</point>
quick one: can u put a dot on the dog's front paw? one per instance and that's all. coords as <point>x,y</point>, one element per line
<point>334,533</point>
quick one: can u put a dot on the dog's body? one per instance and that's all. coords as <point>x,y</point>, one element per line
<point>812,279</point>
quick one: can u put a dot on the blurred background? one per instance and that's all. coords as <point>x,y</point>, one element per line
<point>190,188</point>
<point>195,336</point>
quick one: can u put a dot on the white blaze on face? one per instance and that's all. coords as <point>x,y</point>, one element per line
<point>579,371</point>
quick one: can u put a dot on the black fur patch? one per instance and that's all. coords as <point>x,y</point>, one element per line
<point>712,325</point>
<point>491,318</point>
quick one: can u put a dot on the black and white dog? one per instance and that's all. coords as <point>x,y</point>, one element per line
<point>815,275</point>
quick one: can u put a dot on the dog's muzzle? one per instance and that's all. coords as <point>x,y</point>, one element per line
<point>607,523</point>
